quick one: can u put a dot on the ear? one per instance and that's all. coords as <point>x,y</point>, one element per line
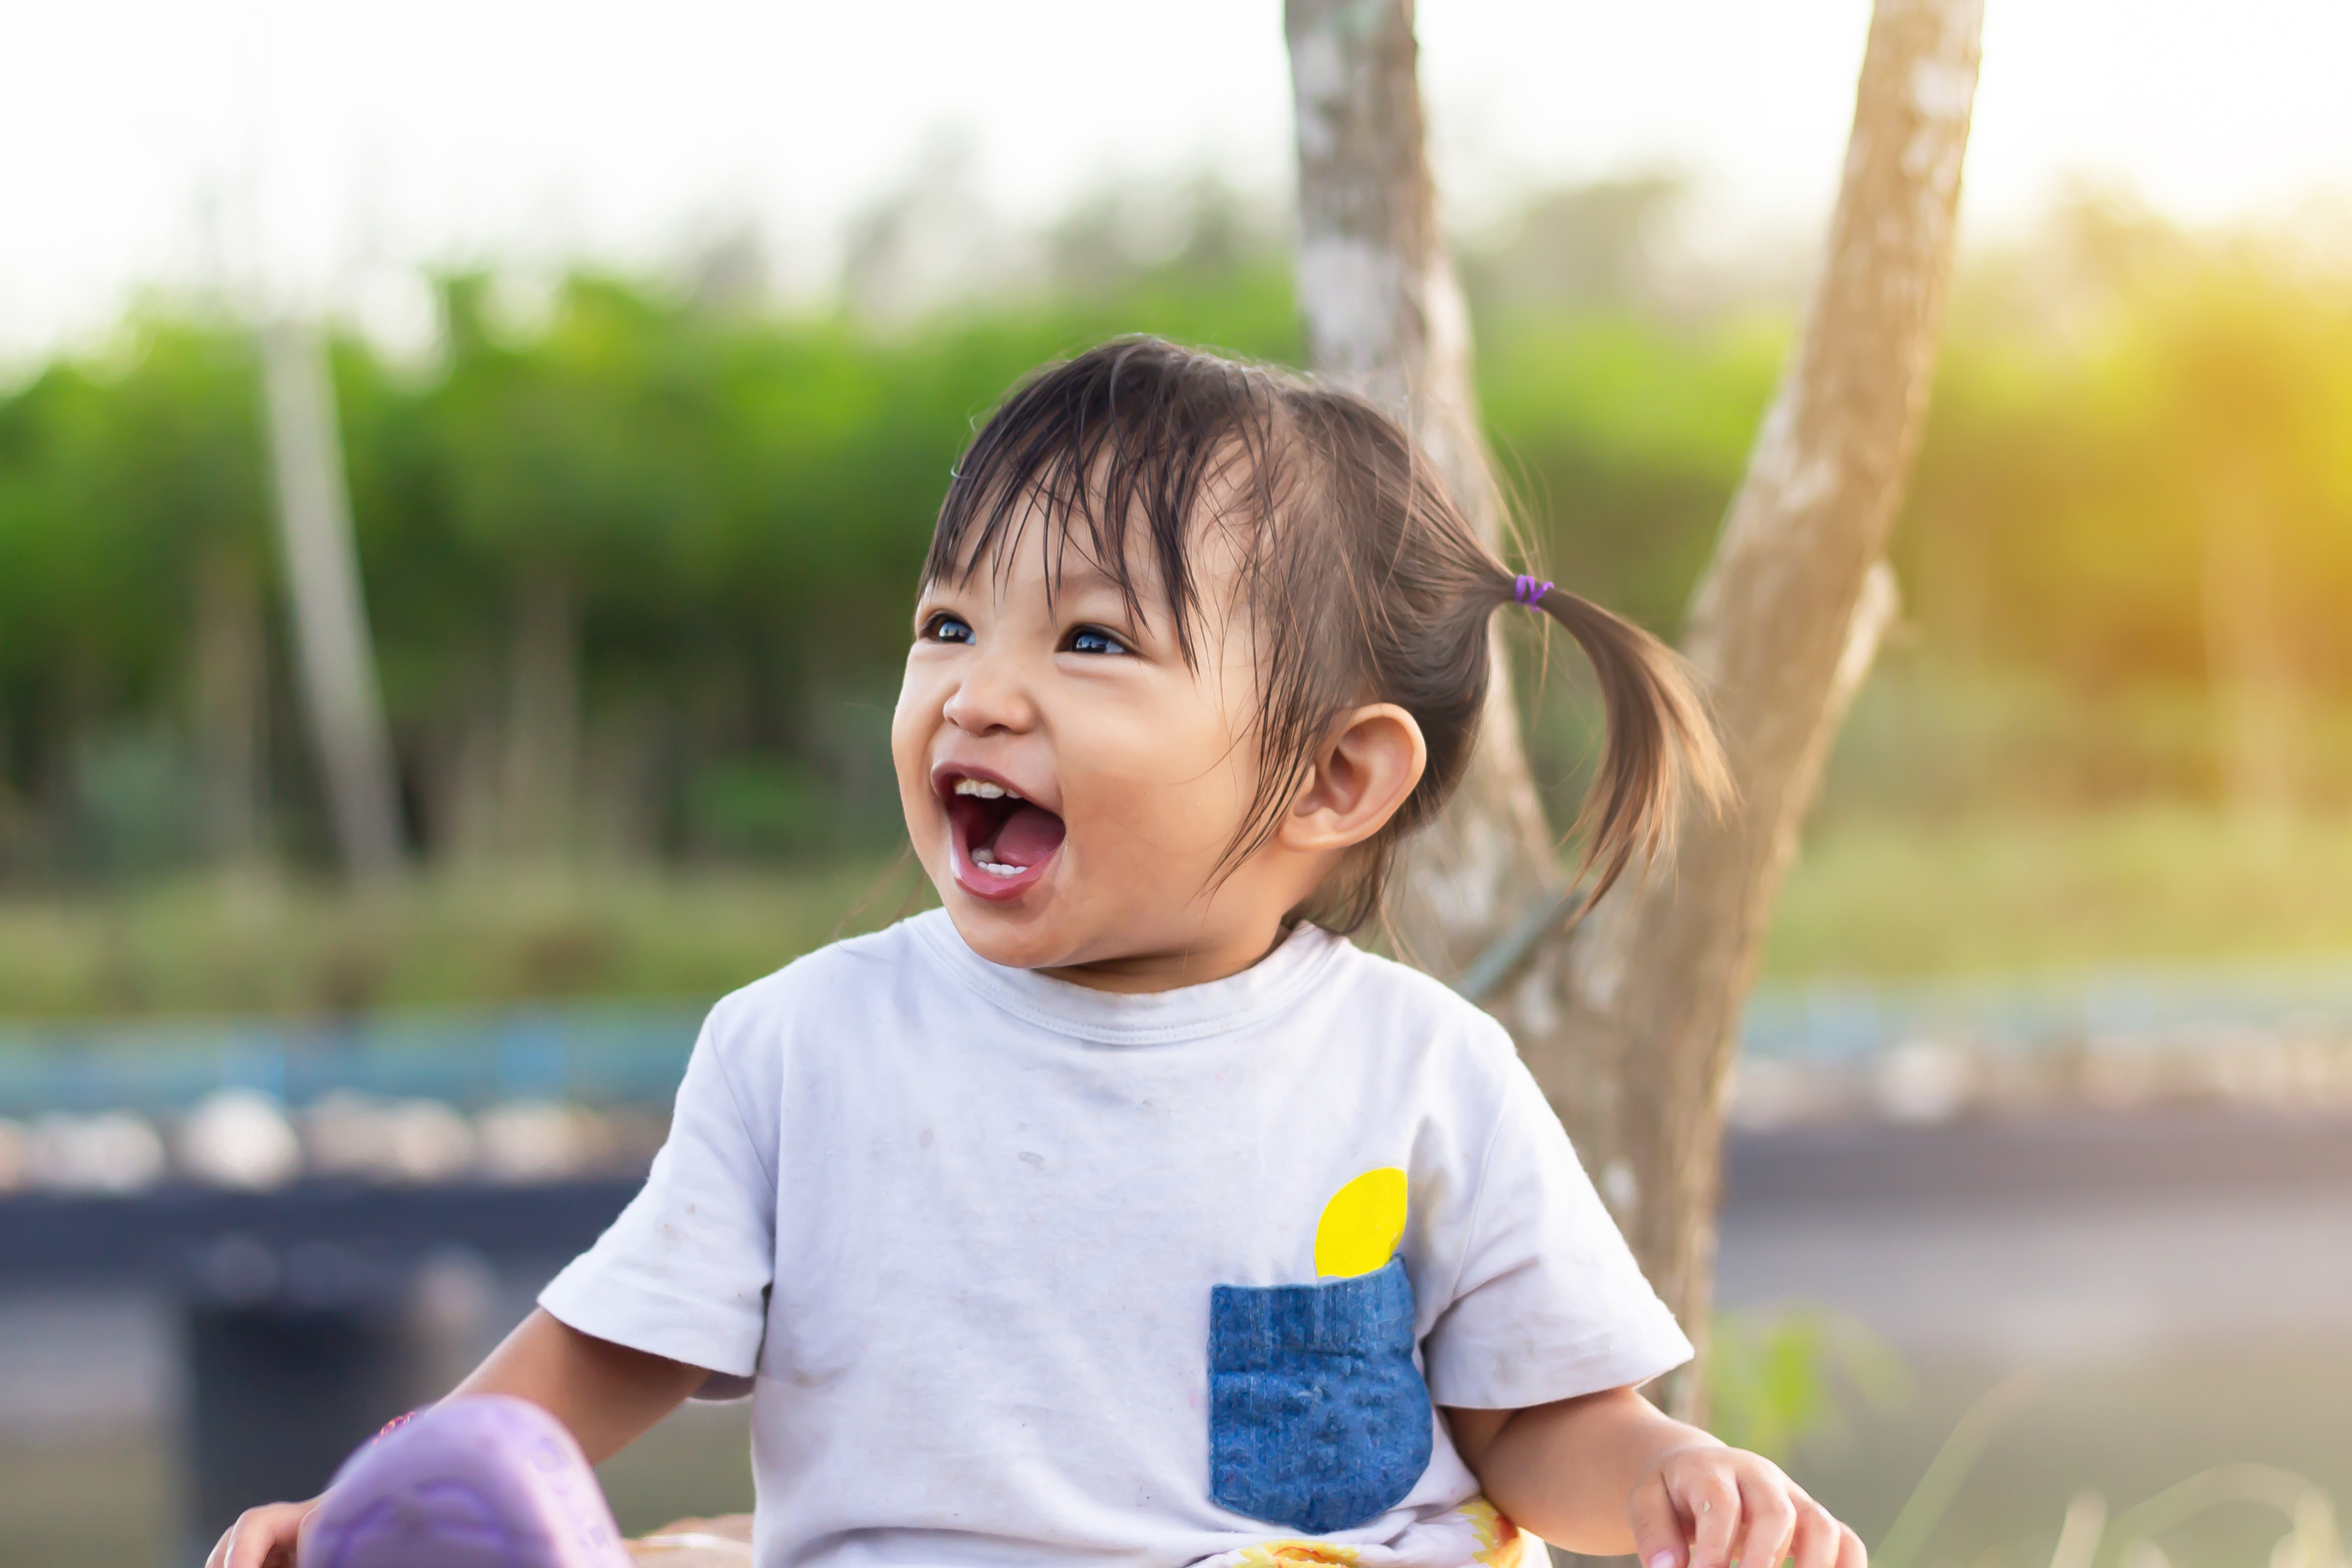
<point>1362,774</point>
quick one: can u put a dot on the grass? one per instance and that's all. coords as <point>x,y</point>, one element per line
<point>247,944</point>
<point>1870,899</point>
<point>2146,885</point>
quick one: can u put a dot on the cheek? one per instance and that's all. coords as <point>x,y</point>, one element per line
<point>1166,781</point>
<point>906,735</point>
<point>912,724</point>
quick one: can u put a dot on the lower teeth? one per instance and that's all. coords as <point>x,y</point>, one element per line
<point>998,868</point>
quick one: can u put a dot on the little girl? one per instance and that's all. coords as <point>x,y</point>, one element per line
<point>1120,1211</point>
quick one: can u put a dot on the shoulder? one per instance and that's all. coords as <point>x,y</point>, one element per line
<point>855,975</point>
<point>1395,1001</point>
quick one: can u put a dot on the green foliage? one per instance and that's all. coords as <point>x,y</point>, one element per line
<point>2114,405</point>
<point>755,806</point>
<point>728,511</point>
<point>1622,438</point>
<point>1776,1378</point>
<point>2003,896</point>
<point>1901,1546</point>
<point>719,513</point>
<point>115,475</point>
<point>246,944</point>
<point>2030,890</point>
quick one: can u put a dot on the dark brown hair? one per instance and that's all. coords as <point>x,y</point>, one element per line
<point>1363,579</point>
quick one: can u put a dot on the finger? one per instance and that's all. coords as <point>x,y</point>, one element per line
<point>285,1534</point>
<point>219,1554</point>
<point>1852,1552</point>
<point>1708,1500</point>
<point>253,1538</point>
<point>1657,1528</point>
<point>300,1541</point>
<point>246,1538</point>
<point>1818,1536</point>
<point>1767,1519</point>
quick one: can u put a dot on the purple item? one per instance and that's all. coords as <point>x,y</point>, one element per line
<point>1527,590</point>
<point>485,1482</point>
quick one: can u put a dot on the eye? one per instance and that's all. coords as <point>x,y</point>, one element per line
<point>1095,640</point>
<point>945,627</point>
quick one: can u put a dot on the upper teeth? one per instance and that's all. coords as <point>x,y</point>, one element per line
<point>984,790</point>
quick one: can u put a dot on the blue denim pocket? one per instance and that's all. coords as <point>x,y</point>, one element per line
<point>1317,1417</point>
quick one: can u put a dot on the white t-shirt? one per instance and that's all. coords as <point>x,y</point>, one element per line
<point>1035,1274</point>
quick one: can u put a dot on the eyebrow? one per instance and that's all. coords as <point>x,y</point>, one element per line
<point>1133,617</point>
<point>1083,573</point>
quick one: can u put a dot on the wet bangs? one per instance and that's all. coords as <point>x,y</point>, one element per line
<point>1132,444</point>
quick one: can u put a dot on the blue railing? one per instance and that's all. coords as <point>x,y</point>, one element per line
<point>1838,1022</point>
<point>615,1053</point>
<point>593,1054</point>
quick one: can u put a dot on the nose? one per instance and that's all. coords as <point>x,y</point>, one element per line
<point>993,697</point>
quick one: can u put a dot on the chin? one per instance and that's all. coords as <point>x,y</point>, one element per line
<point>1007,932</point>
<point>1011,938</point>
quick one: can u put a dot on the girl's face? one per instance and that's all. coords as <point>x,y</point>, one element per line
<point>1072,785</point>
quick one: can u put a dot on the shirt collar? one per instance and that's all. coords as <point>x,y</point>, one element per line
<point>1156,1018</point>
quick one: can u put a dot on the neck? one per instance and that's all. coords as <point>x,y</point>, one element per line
<point>1138,974</point>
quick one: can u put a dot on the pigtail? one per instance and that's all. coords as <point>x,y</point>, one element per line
<point>1661,744</point>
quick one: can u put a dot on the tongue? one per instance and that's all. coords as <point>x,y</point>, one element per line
<point>1028,836</point>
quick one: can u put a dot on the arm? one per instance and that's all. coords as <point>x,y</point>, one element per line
<point>1609,1473</point>
<point>606,1394</point>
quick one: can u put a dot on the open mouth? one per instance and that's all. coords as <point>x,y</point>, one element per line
<point>1002,842</point>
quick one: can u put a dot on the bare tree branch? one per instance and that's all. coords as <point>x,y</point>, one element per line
<point>1631,1022</point>
<point>1385,315</point>
<point>322,581</point>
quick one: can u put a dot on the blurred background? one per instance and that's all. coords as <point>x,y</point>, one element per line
<point>650,338</point>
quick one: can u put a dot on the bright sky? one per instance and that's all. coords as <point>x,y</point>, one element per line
<point>146,141</point>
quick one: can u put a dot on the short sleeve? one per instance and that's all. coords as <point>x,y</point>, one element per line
<point>1549,1303</point>
<point>684,1271</point>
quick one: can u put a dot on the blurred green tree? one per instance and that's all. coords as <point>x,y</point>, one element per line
<point>637,560</point>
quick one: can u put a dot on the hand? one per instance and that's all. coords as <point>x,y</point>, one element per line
<point>265,1537</point>
<point>1712,1507</point>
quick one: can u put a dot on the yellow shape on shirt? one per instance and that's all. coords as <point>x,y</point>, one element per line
<point>1361,1224</point>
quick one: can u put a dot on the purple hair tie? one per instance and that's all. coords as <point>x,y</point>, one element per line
<point>1527,590</point>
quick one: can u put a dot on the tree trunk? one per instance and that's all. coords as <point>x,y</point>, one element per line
<point>543,718</point>
<point>1632,1021</point>
<point>2250,666</point>
<point>1384,314</point>
<point>1783,628</point>
<point>322,581</point>
<point>230,700</point>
